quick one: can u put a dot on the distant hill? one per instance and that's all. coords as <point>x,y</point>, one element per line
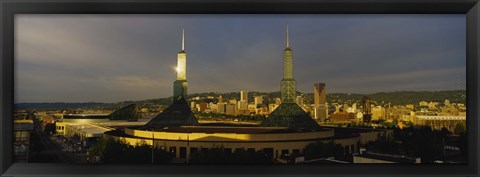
<point>403,97</point>
<point>61,105</point>
<point>394,98</point>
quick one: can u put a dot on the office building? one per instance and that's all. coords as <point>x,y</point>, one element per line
<point>299,100</point>
<point>244,96</point>
<point>319,94</point>
<point>220,99</point>
<point>221,107</point>
<point>242,105</point>
<point>258,100</point>
<point>367,109</point>
<point>320,110</point>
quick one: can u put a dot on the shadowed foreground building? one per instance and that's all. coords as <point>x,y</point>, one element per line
<point>22,130</point>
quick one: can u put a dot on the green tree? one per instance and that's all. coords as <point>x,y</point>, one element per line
<point>462,144</point>
<point>115,151</point>
<point>459,129</point>
<point>420,142</point>
<point>322,150</point>
<point>218,155</point>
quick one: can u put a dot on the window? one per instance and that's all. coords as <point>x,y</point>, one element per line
<point>193,150</point>
<point>251,151</point>
<point>183,152</point>
<point>228,151</point>
<point>173,151</point>
<point>296,152</point>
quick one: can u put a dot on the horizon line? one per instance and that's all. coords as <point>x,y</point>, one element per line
<point>239,93</point>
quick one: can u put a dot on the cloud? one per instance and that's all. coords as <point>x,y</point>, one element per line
<point>112,58</point>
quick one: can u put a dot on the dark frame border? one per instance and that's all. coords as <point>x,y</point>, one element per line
<point>8,9</point>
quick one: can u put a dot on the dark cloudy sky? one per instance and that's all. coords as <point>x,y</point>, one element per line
<point>110,58</point>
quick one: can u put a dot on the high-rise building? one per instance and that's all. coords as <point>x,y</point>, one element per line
<point>180,86</point>
<point>320,101</point>
<point>244,96</point>
<point>288,84</point>
<point>319,94</point>
<point>378,113</point>
<point>367,109</point>
<point>203,106</point>
<point>242,105</point>
<point>220,99</point>
<point>258,100</point>
<point>221,107</point>
<point>320,113</point>
<point>299,100</point>
<point>230,109</point>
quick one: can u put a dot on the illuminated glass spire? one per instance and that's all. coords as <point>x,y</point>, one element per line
<point>180,86</point>
<point>288,84</point>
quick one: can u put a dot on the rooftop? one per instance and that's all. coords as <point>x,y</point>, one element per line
<point>292,116</point>
<point>386,157</point>
<point>238,130</point>
<point>177,114</point>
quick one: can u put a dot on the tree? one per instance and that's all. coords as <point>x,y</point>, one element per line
<point>218,155</point>
<point>459,129</point>
<point>323,150</point>
<point>116,151</point>
<point>462,144</point>
<point>420,142</point>
<point>394,123</point>
<point>50,129</point>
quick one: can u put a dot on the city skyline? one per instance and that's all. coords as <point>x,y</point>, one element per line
<point>145,54</point>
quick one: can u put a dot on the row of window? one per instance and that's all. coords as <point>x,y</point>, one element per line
<point>21,136</point>
<point>228,151</point>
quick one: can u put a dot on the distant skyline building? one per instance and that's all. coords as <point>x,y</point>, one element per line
<point>244,96</point>
<point>258,100</point>
<point>288,83</point>
<point>299,100</point>
<point>220,99</point>
<point>367,109</point>
<point>320,101</point>
<point>242,105</point>
<point>180,86</point>
<point>221,107</point>
<point>319,94</point>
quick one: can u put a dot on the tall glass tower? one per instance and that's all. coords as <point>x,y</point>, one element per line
<point>288,84</point>
<point>180,86</point>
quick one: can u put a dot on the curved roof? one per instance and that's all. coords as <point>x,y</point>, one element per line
<point>292,116</point>
<point>176,115</point>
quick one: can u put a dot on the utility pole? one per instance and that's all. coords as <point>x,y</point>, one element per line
<point>188,147</point>
<point>153,145</point>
